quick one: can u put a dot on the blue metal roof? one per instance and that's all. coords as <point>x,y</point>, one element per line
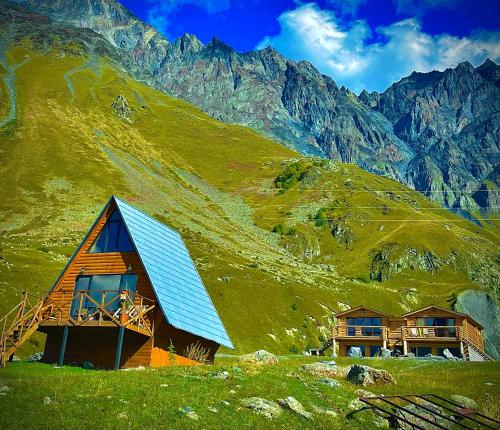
<point>179,289</point>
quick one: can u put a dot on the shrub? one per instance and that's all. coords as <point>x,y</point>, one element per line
<point>292,174</point>
<point>197,352</point>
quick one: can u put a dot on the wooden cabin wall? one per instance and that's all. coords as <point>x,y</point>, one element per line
<point>111,263</point>
<point>360,313</point>
<point>97,345</point>
<point>395,331</point>
<point>165,333</point>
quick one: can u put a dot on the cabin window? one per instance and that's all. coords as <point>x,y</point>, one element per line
<point>367,326</point>
<point>444,326</point>
<point>421,351</point>
<point>102,289</point>
<point>113,237</point>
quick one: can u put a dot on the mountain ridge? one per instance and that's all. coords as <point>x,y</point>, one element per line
<point>295,104</point>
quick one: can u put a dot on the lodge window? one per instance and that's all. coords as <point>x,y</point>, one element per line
<point>103,289</point>
<point>444,326</point>
<point>113,237</point>
<point>354,324</point>
<point>421,351</point>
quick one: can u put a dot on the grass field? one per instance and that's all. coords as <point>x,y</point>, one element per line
<point>41,396</point>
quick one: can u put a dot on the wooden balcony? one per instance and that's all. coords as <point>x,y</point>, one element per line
<point>432,333</point>
<point>103,308</point>
<point>368,332</point>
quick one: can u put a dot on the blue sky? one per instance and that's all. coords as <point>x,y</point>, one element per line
<point>359,43</point>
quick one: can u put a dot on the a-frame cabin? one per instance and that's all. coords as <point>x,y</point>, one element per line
<point>130,295</point>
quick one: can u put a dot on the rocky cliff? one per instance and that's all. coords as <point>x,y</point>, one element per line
<point>437,132</point>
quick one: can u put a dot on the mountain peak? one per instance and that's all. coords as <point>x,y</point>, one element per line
<point>465,66</point>
<point>188,43</point>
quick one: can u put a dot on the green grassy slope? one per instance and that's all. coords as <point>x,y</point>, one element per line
<point>344,235</point>
<point>152,398</point>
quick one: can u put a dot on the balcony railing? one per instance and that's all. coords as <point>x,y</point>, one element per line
<point>101,308</point>
<point>365,331</point>
<point>432,332</point>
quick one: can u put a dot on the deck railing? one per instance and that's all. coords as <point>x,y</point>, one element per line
<point>365,331</point>
<point>100,308</point>
<point>432,332</point>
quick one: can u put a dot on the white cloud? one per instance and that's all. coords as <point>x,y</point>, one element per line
<point>161,9</point>
<point>346,54</point>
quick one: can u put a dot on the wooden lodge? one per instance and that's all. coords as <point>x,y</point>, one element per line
<point>430,330</point>
<point>130,295</point>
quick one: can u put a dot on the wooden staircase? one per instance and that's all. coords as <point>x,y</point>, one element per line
<point>20,323</point>
<point>472,353</point>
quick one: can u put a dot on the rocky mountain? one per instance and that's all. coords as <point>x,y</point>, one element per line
<point>437,132</point>
<point>451,120</point>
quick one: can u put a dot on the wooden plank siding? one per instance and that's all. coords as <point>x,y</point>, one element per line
<point>110,263</point>
<point>97,345</point>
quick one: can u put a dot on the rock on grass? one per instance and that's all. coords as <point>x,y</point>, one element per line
<point>364,375</point>
<point>262,406</point>
<point>259,357</point>
<point>324,368</point>
<point>294,405</point>
<point>463,401</point>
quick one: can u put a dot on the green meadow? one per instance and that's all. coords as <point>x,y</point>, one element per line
<point>40,396</point>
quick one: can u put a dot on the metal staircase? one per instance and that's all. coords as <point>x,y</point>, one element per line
<point>20,323</point>
<point>472,353</point>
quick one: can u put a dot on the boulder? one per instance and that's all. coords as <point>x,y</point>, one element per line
<point>433,357</point>
<point>37,356</point>
<point>406,413</point>
<point>355,352</point>
<point>259,357</point>
<point>188,412</point>
<point>262,406</point>
<point>465,402</point>
<point>364,375</point>
<point>364,393</point>
<point>449,355</point>
<point>330,382</point>
<point>295,406</point>
<point>221,375</point>
<point>326,368</point>
<point>385,353</point>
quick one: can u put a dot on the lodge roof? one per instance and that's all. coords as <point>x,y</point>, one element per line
<point>358,308</point>
<point>445,311</point>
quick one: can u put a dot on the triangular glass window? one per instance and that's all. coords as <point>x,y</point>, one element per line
<point>113,236</point>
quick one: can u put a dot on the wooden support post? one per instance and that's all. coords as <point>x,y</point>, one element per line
<point>334,348</point>
<point>462,350</point>
<point>384,345</point>
<point>64,341</point>
<point>405,347</point>
<point>119,347</point>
